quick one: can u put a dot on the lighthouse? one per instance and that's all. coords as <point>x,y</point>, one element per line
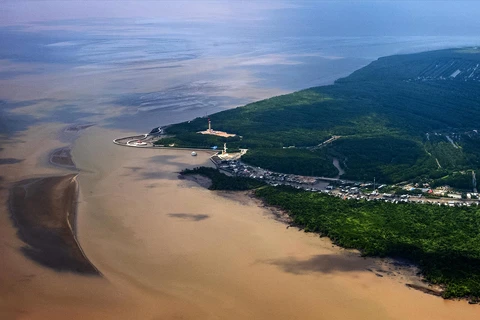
<point>214,132</point>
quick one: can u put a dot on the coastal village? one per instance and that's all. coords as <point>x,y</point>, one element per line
<point>349,189</point>
<point>271,160</point>
<point>231,164</point>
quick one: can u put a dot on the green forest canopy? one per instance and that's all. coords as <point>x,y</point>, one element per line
<point>444,241</point>
<point>396,118</point>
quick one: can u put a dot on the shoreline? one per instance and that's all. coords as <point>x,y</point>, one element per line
<point>386,266</point>
<point>46,222</point>
<point>145,229</point>
<point>72,218</point>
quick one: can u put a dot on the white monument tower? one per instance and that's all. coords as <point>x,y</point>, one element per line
<point>224,151</point>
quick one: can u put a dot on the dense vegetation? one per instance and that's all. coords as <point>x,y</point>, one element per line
<point>407,117</point>
<point>304,162</point>
<point>443,241</point>
<point>457,180</point>
<point>221,181</point>
<point>395,118</point>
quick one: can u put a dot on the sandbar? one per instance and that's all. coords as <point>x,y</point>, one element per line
<point>43,210</point>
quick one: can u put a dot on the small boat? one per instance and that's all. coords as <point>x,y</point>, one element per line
<point>194,153</point>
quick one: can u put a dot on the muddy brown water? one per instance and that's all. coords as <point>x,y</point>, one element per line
<point>170,249</point>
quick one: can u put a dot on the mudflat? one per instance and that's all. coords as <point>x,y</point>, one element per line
<point>62,157</point>
<point>200,254</point>
<point>43,210</point>
<point>171,249</point>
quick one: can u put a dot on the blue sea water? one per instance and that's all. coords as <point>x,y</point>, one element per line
<point>139,71</point>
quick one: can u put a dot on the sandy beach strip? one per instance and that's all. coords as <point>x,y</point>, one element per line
<point>44,213</point>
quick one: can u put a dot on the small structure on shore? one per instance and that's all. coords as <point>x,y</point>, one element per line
<point>224,155</point>
<point>216,133</point>
<point>194,154</point>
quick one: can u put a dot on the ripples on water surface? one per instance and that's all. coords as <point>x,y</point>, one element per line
<point>133,66</point>
<point>151,65</point>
